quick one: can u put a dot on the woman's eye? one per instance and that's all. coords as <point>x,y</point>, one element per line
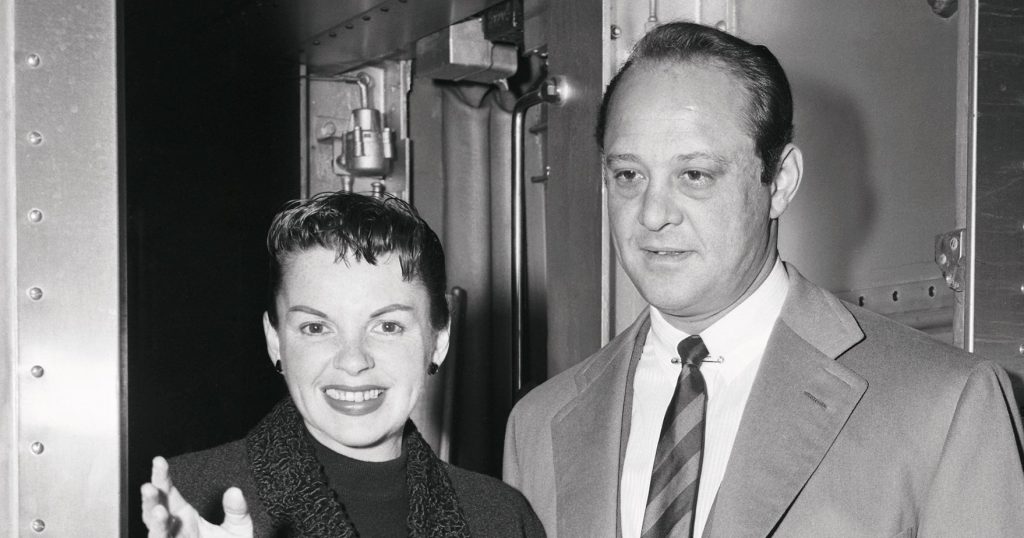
<point>313,329</point>
<point>390,327</point>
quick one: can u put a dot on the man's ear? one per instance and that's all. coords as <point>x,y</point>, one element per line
<point>787,181</point>
<point>273,342</point>
<point>441,341</point>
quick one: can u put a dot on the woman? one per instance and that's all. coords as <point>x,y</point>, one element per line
<point>356,320</point>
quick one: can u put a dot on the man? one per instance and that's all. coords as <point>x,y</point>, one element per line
<point>747,401</point>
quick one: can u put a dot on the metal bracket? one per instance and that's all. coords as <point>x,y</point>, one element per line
<point>949,255</point>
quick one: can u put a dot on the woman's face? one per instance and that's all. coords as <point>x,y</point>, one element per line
<point>355,341</point>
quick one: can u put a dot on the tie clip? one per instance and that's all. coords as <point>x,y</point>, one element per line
<point>716,360</point>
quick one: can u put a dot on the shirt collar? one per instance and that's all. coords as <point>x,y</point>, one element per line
<point>741,335</point>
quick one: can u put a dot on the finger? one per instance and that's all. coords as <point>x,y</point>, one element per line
<point>159,476</point>
<point>236,513</point>
<point>150,500</point>
<point>158,522</point>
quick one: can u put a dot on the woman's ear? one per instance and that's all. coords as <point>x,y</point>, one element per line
<point>273,342</point>
<point>441,341</point>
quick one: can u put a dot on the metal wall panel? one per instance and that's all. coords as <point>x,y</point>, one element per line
<point>997,249</point>
<point>66,363</point>
<point>576,33</point>
<point>875,114</point>
<point>8,297</point>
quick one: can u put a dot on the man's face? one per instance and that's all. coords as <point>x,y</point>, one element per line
<point>688,212</point>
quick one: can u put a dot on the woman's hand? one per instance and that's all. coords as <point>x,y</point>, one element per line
<point>166,513</point>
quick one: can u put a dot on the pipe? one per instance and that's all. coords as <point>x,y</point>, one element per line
<point>550,91</point>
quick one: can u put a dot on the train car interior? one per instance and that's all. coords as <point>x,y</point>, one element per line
<point>147,145</point>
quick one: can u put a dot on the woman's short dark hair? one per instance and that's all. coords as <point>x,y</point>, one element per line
<point>363,227</point>
<point>770,114</point>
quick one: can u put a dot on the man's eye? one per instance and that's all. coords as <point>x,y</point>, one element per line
<point>696,176</point>
<point>313,329</point>
<point>627,176</point>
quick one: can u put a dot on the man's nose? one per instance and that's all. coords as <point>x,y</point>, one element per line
<point>659,206</point>
<point>352,358</point>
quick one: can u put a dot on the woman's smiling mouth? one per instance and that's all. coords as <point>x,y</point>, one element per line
<point>354,401</point>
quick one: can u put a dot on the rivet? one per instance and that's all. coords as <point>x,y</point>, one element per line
<point>332,34</point>
<point>949,278</point>
<point>349,26</point>
<point>35,293</point>
<point>37,448</point>
<point>385,9</point>
<point>316,42</point>
<point>38,525</point>
<point>35,138</point>
<point>954,243</point>
<point>33,60</point>
<point>616,31</point>
<point>1022,288</point>
<point>942,258</point>
<point>37,371</point>
<point>1021,349</point>
<point>366,17</point>
<point>35,215</point>
<point>720,25</point>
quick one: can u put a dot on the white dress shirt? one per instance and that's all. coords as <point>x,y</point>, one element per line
<point>736,343</point>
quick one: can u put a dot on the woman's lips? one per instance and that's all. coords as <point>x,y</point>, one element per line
<point>354,401</point>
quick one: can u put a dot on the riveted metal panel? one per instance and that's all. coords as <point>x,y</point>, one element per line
<point>66,296</point>
<point>8,343</point>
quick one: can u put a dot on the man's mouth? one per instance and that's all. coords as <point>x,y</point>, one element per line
<point>665,252</point>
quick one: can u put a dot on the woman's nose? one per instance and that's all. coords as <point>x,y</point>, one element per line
<point>352,359</point>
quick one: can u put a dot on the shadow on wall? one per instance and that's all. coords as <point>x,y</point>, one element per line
<point>835,209</point>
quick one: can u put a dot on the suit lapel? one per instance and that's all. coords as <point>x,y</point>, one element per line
<point>586,436</point>
<point>800,400</point>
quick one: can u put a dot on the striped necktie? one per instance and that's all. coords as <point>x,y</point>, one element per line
<point>672,499</point>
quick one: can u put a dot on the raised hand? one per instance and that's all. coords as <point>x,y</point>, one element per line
<point>167,514</point>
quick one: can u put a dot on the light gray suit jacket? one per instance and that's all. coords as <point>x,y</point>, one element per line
<point>855,426</point>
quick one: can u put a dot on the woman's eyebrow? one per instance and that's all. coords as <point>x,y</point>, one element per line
<point>391,308</point>
<point>308,310</point>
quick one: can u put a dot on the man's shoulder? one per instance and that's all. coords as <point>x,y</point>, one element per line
<point>550,396</point>
<point>897,356</point>
<point>547,398</point>
<point>884,337</point>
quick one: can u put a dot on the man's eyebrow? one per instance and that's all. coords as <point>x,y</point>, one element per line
<point>396,307</point>
<point>621,157</point>
<point>685,157</point>
<point>308,310</point>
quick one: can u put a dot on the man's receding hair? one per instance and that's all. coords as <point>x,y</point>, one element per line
<point>770,114</point>
<point>359,227</point>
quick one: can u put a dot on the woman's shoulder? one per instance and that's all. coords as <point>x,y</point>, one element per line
<point>493,508</point>
<point>229,458</point>
<point>203,476</point>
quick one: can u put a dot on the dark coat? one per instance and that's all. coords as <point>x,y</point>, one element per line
<point>491,508</point>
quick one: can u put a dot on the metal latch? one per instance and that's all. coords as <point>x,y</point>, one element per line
<point>949,255</point>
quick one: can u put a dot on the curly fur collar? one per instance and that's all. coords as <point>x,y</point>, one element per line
<point>293,487</point>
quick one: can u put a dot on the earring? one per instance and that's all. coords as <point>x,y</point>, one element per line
<point>277,366</point>
<point>432,369</point>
